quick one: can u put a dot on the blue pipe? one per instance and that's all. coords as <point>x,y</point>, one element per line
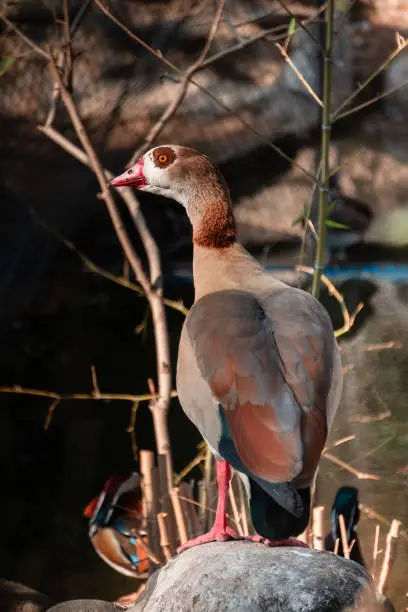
<point>393,273</point>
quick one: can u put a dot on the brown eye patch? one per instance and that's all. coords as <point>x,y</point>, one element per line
<point>163,156</point>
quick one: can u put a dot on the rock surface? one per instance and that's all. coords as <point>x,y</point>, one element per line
<point>17,597</point>
<point>86,605</point>
<point>245,577</point>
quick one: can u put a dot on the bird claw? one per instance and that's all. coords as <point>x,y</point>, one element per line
<point>276,543</point>
<point>214,535</point>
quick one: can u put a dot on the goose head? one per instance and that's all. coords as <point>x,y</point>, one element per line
<point>190,178</point>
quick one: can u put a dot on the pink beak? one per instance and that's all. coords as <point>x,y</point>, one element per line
<point>134,176</point>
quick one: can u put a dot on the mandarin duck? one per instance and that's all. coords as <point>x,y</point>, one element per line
<point>259,370</point>
<point>346,504</point>
<point>115,525</point>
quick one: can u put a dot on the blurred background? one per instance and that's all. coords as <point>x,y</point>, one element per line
<point>57,318</point>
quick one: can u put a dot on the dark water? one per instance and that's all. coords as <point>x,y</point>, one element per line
<point>49,477</point>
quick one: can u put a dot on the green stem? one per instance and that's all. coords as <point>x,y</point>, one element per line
<point>325,144</point>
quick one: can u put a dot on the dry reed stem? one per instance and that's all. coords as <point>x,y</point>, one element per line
<point>148,551</point>
<point>339,442</point>
<point>150,498</point>
<point>343,534</point>
<point>337,114</point>
<point>348,318</point>
<point>131,430</point>
<point>165,501</point>
<point>164,537</point>
<point>243,507</point>
<point>190,466</point>
<point>349,468</point>
<point>179,515</point>
<point>375,551</point>
<point>202,504</point>
<point>234,508</point>
<point>193,513</point>
<point>183,496</point>
<point>208,468</point>
<point>389,555</point>
<point>299,75</point>
<point>382,346</point>
<point>318,528</point>
<point>304,536</point>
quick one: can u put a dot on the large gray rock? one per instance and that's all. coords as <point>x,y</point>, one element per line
<point>86,605</point>
<point>246,577</point>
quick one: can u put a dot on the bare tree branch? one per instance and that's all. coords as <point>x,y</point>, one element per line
<point>172,108</point>
<point>25,38</point>
<point>400,47</point>
<point>91,265</point>
<point>152,287</point>
<point>219,103</point>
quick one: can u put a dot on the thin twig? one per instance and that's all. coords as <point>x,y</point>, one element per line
<point>100,174</point>
<point>336,114</point>
<point>318,528</point>
<point>373,514</point>
<point>148,551</point>
<point>164,537</point>
<point>343,535</point>
<point>349,468</point>
<point>375,551</point>
<point>182,91</point>
<point>299,75</point>
<point>218,102</point>
<point>348,318</point>
<point>234,508</point>
<point>25,38</point>
<point>126,397</point>
<point>301,25</point>
<point>131,429</point>
<point>340,441</point>
<point>259,36</point>
<point>382,346</point>
<point>79,16</point>
<point>123,281</point>
<point>373,100</point>
<point>389,555</point>
<point>50,413</point>
<point>179,515</point>
<point>150,498</point>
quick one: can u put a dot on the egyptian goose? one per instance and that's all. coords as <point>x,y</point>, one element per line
<point>115,525</point>
<point>259,370</point>
<point>345,504</point>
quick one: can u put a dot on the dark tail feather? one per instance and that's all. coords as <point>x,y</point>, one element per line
<point>271,520</point>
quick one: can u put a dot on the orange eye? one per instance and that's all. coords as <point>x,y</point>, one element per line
<point>162,158</point>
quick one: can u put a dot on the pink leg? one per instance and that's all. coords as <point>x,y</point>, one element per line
<point>220,532</point>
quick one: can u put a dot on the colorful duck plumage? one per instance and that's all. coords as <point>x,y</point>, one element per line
<point>116,525</point>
